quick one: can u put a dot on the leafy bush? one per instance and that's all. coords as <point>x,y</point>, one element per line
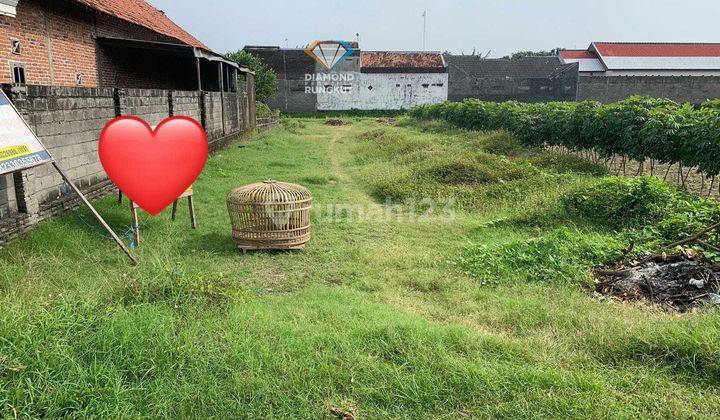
<point>560,256</point>
<point>266,82</point>
<point>263,111</point>
<point>622,202</point>
<point>645,209</point>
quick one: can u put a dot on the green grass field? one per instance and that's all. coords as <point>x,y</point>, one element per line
<point>386,316</point>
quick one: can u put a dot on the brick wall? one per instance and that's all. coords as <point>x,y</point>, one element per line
<point>608,89</point>
<point>69,121</point>
<point>58,44</point>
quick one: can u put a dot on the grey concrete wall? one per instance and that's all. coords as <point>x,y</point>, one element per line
<point>213,115</point>
<point>608,89</point>
<point>152,105</point>
<point>8,204</point>
<point>69,121</point>
<point>533,79</point>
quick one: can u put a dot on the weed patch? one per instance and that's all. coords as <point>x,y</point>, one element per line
<point>562,256</point>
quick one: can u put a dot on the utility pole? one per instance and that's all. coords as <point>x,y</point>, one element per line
<point>424,15</point>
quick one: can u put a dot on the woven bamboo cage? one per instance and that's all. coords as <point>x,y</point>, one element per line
<point>270,215</point>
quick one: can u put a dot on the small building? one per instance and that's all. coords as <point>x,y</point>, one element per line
<point>105,43</point>
<point>612,71</point>
<point>528,79</point>
<point>397,80</point>
<point>364,80</point>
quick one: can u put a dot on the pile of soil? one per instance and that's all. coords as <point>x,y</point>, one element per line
<point>335,122</point>
<point>676,284</point>
<point>386,121</point>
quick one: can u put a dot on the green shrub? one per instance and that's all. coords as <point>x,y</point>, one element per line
<point>561,256</point>
<point>263,111</point>
<point>622,202</point>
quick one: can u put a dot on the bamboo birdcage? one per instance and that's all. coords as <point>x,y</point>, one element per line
<point>270,215</point>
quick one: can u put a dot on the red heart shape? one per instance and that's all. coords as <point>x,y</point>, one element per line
<point>153,168</point>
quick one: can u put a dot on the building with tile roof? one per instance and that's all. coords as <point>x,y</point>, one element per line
<point>364,80</point>
<point>105,43</point>
<point>647,59</point>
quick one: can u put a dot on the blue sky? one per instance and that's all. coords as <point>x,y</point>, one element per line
<point>499,26</point>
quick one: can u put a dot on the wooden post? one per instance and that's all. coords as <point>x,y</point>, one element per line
<point>174,209</point>
<point>191,206</point>
<point>199,74</point>
<point>135,224</point>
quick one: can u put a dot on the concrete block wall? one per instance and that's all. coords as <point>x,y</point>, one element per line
<point>186,103</point>
<point>8,203</point>
<point>152,105</point>
<point>607,89</point>
<point>69,122</point>
<point>213,115</point>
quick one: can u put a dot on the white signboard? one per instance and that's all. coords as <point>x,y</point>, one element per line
<point>19,146</point>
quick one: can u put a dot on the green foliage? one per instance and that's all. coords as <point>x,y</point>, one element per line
<point>637,128</point>
<point>563,256</point>
<point>523,54</point>
<point>646,210</point>
<point>622,202</point>
<point>263,111</point>
<point>266,83</point>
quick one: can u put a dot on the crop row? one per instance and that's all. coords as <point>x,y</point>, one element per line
<point>637,128</point>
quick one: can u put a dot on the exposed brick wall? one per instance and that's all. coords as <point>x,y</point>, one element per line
<point>58,43</point>
<point>608,89</point>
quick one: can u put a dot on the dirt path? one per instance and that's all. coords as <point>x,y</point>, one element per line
<point>337,168</point>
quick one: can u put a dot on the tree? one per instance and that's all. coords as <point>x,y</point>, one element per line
<point>523,54</point>
<point>266,82</point>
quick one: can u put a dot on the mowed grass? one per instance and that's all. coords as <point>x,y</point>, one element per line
<point>378,317</point>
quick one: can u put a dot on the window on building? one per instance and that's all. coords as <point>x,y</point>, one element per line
<point>439,84</point>
<point>397,85</point>
<point>370,88</point>
<point>18,73</point>
<point>426,85</point>
<point>15,46</point>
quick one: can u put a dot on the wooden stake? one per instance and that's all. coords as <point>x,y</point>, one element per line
<point>94,212</point>
<point>135,223</point>
<point>191,206</point>
<point>174,210</point>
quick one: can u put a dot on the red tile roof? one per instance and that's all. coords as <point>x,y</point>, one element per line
<point>141,13</point>
<point>401,59</point>
<point>577,54</point>
<point>622,49</point>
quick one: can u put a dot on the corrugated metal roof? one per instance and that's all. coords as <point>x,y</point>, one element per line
<point>577,54</point>
<point>638,49</point>
<point>658,56</point>
<point>141,13</point>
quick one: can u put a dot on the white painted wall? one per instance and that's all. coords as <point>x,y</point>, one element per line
<point>388,91</point>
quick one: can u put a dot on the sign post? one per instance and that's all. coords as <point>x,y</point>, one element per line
<point>21,149</point>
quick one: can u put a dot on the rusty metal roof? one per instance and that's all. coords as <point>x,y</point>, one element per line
<point>402,60</point>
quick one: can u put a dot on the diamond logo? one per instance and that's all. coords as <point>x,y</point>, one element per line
<point>329,53</point>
